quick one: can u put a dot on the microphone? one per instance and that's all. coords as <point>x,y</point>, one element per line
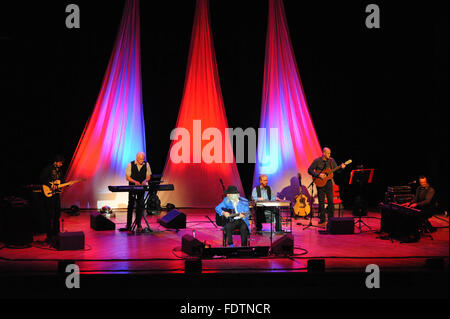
<point>413,182</point>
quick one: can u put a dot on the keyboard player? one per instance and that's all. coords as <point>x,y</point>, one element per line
<point>263,192</point>
<point>425,201</point>
<point>138,172</point>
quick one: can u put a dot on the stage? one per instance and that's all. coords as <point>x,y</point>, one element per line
<point>151,265</point>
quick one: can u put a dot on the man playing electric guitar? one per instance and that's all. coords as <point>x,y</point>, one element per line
<point>317,168</point>
<point>233,202</point>
<point>49,175</point>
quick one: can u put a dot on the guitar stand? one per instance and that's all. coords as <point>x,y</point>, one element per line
<point>144,230</point>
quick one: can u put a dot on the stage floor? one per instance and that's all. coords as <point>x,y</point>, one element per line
<point>115,253</point>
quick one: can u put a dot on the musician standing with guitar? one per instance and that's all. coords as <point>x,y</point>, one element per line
<point>236,210</point>
<point>138,172</point>
<point>51,176</point>
<point>317,170</point>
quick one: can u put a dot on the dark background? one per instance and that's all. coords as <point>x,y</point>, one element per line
<point>378,96</point>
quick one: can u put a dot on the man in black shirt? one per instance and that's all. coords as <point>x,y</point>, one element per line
<point>424,200</point>
<point>317,166</point>
<point>49,175</point>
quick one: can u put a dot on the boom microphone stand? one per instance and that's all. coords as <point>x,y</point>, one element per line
<point>311,200</point>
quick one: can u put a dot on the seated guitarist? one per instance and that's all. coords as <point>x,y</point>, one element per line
<point>263,192</point>
<point>233,203</point>
<point>318,165</point>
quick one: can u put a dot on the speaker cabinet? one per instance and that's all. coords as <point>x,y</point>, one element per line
<point>191,246</point>
<point>100,222</point>
<point>69,241</point>
<point>341,225</point>
<point>16,226</point>
<point>174,219</point>
<point>284,245</point>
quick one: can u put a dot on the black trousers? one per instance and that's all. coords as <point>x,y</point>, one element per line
<point>53,214</point>
<point>236,224</point>
<point>135,198</point>
<point>327,191</point>
<point>260,217</point>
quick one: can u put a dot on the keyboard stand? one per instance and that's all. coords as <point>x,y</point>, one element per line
<point>144,230</point>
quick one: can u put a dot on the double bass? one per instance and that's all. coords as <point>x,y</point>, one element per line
<point>301,206</point>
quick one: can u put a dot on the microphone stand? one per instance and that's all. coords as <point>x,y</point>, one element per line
<point>312,201</point>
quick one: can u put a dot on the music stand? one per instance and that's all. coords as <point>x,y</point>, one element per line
<point>361,177</point>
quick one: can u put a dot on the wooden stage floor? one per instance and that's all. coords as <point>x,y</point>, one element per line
<point>157,257</point>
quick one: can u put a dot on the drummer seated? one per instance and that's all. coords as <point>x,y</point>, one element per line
<point>263,192</point>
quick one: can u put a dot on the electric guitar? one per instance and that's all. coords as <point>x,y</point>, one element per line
<point>301,206</point>
<point>49,192</point>
<point>232,215</point>
<point>320,182</point>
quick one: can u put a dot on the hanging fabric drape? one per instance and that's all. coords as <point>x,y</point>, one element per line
<point>290,143</point>
<point>201,122</point>
<point>115,132</point>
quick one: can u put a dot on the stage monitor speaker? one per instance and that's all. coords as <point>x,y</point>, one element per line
<point>100,222</point>
<point>174,219</point>
<point>341,225</point>
<point>69,241</point>
<point>284,245</point>
<point>191,246</point>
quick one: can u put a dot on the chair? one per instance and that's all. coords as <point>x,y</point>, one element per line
<point>336,198</point>
<point>235,232</point>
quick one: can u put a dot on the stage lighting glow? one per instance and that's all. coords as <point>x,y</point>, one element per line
<point>198,182</point>
<point>284,107</point>
<point>115,132</point>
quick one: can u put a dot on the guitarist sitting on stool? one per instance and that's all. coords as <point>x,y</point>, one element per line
<point>236,210</point>
<point>260,193</point>
<point>321,164</point>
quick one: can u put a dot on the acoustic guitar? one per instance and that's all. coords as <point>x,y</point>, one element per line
<point>48,192</point>
<point>321,182</point>
<point>301,206</point>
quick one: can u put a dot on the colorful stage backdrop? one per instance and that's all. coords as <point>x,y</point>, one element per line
<point>196,159</point>
<point>115,131</point>
<point>284,108</point>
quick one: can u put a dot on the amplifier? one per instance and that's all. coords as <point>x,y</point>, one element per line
<point>399,189</point>
<point>69,241</point>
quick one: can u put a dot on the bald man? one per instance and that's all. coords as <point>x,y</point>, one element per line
<point>138,172</point>
<point>319,164</point>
